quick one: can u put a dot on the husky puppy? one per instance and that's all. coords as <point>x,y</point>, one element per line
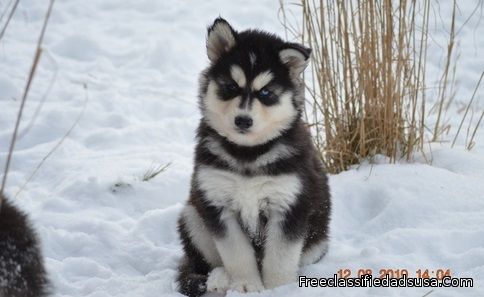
<point>22,272</point>
<point>259,204</point>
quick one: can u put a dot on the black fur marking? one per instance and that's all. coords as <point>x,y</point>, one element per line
<point>22,272</point>
<point>228,90</point>
<point>239,152</point>
<point>211,214</point>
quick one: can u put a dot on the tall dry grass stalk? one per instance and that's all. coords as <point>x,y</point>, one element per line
<point>9,17</point>
<point>470,143</point>
<point>31,76</point>
<point>367,85</point>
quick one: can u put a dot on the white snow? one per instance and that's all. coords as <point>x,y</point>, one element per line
<point>105,232</point>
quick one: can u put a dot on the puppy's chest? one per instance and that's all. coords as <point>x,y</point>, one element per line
<point>249,197</point>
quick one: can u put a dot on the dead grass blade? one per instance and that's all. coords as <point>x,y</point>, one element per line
<point>30,79</point>
<point>467,111</point>
<point>153,171</point>
<point>59,143</point>
<point>9,18</point>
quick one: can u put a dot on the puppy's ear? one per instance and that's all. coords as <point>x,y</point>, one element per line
<point>295,56</point>
<point>220,39</point>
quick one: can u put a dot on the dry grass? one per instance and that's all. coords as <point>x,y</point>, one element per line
<point>33,68</point>
<point>58,144</point>
<point>153,171</point>
<point>470,142</point>
<point>9,17</point>
<point>368,87</point>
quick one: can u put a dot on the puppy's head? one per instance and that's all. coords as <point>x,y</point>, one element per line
<point>252,91</point>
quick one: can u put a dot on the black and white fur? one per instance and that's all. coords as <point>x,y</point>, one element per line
<point>259,204</point>
<point>22,272</point>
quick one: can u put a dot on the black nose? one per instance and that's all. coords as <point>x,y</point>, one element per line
<point>243,122</point>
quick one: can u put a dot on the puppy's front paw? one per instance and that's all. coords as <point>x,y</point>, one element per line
<point>218,280</point>
<point>245,286</point>
<point>276,279</point>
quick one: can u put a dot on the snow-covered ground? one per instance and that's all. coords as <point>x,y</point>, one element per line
<point>106,232</point>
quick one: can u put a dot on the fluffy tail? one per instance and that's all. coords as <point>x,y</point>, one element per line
<point>22,272</point>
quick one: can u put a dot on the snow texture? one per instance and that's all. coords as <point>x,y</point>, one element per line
<point>105,232</point>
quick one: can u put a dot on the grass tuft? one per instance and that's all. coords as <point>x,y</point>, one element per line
<point>153,171</point>
<point>367,83</point>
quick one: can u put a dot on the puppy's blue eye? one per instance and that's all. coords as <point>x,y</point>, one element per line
<point>264,93</point>
<point>266,97</point>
